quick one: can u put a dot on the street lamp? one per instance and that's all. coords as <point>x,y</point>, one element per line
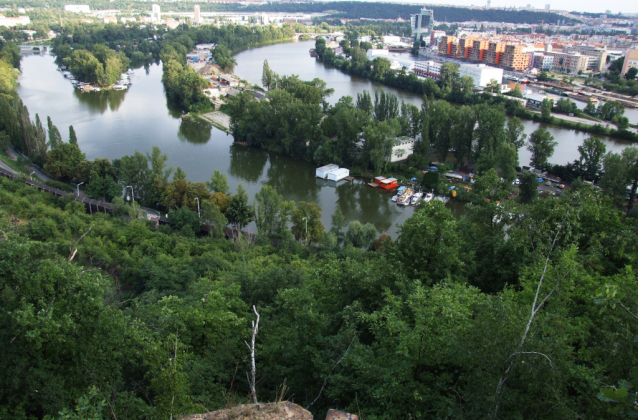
<point>31,175</point>
<point>198,212</point>
<point>78,187</point>
<point>132,193</point>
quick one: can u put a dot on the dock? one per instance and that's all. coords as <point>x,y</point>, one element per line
<point>373,184</point>
<point>348,178</point>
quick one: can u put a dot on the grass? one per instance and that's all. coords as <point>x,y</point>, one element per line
<point>17,165</point>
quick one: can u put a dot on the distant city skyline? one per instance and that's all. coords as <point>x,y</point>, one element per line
<point>591,6</point>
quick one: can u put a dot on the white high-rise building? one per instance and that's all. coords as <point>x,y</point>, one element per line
<point>196,18</point>
<point>156,15</point>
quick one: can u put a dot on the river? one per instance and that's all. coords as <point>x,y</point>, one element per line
<point>114,124</point>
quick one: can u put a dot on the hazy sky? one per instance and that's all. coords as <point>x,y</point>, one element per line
<point>594,6</point>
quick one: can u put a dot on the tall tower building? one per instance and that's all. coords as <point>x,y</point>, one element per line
<point>422,27</point>
<point>547,7</point>
<point>156,15</point>
<point>196,18</point>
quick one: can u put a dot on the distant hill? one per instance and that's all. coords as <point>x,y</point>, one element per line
<point>355,10</point>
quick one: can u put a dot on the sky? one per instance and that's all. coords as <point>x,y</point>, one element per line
<point>593,6</point>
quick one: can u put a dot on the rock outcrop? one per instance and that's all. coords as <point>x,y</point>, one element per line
<point>284,410</point>
<point>340,415</point>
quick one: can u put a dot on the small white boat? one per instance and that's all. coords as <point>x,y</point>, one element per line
<point>96,89</point>
<point>394,198</point>
<point>416,198</point>
<point>120,87</point>
<point>428,197</point>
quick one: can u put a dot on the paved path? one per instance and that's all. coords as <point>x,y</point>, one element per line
<point>37,171</point>
<point>218,118</point>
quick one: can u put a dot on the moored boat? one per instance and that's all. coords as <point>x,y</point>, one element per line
<point>404,200</point>
<point>428,197</point>
<point>416,198</point>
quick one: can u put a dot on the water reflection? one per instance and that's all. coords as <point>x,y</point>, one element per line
<point>196,132</point>
<point>247,163</point>
<point>101,101</point>
<point>294,179</point>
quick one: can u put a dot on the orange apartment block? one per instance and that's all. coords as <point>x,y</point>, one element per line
<point>493,53</point>
<point>514,57</point>
<point>465,44</point>
<point>445,44</point>
<point>478,50</point>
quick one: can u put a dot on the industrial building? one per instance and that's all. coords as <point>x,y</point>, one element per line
<point>481,74</point>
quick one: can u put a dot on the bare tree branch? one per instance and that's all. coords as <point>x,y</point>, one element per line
<point>535,308</point>
<point>332,370</point>
<point>74,248</point>
<point>251,348</point>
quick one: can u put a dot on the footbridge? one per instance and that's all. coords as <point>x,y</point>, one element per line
<point>310,35</point>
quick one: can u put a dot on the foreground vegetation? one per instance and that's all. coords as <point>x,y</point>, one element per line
<point>461,319</point>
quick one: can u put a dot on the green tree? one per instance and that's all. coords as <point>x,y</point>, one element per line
<point>493,87</point>
<point>449,74</point>
<point>218,183</point>
<point>266,76</point>
<point>541,144</point>
<point>359,235</point>
<point>610,110</point>
<point>428,245</point>
<point>546,110</point>
<point>306,222</point>
<point>267,208</point>
<point>103,188</point>
<point>73,139</point>
<point>515,132</point>
<point>63,161</point>
<point>507,161</point>
<point>592,152</point>
<point>239,213</point>
<point>54,134</point>
<point>214,218</point>
<point>590,108</point>
<point>528,188</point>
<point>364,102</point>
<point>338,222</point>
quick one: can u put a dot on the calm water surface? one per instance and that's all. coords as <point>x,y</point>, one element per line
<point>114,124</point>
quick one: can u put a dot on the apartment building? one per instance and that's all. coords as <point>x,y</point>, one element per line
<point>493,53</point>
<point>542,61</point>
<point>597,55</point>
<point>569,62</point>
<point>514,57</point>
<point>465,44</point>
<point>478,50</point>
<point>445,45</point>
<point>631,60</point>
